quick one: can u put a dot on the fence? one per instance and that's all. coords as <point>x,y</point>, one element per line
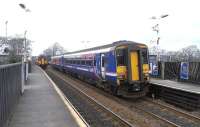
<point>194,72</point>
<point>10,89</point>
<point>171,71</point>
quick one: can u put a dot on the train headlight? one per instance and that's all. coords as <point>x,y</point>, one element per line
<point>146,76</point>
<point>118,82</point>
<point>121,76</point>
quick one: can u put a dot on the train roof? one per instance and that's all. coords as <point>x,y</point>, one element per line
<point>114,44</point>
<point>104,47</point>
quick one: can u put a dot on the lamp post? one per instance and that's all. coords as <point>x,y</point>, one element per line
<point>24,56</point>
<point>157,30</point>
<point>23,6</point>
<point>25,46</point>
<point>6,23</point>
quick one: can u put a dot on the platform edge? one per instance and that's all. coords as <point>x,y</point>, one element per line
<point>75,114</point>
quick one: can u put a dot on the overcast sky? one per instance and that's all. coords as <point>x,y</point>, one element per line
<point>72,23</point>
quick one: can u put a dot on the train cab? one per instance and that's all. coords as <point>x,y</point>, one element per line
<point>132,66</point>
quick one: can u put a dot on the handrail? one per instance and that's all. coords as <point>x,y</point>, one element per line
<point>9,65</point>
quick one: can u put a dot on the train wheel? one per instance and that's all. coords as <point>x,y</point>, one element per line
<point>114,90</point>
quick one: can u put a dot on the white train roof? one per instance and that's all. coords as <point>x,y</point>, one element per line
<point>99,49</point>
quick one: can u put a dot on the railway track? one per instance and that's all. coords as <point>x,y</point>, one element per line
<point>168,114</point>
<point>177,111</point>
<point>142,106</point>
<point>171,124</point>
<point>116,119</point>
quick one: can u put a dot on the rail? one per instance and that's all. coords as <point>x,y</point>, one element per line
<point>183,113</point>
<point>119,118</point>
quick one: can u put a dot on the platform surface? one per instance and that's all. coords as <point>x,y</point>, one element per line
<point>40,105</point>
<point>189,87</point>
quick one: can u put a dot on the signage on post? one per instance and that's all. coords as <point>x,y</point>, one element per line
<point>184,74</point>
<point>153,65</point>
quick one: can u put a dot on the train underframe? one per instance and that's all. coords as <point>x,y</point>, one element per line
<point>126,90</point>
<point>133,90</point>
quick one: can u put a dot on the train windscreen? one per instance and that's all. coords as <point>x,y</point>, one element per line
<point>145,56</point>
<point>121,55</point>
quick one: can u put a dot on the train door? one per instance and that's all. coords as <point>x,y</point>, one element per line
<point>134,61</point>
<point>98,64</point>
<point>122,60</point>
<point>103,71</point>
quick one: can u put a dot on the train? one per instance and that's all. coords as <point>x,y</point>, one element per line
<point>42,61</point>
<point>122,67</point>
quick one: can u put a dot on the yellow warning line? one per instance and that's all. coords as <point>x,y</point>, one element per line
<point>78,118</point>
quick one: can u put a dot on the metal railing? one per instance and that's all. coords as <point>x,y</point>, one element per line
<point>10,89</point>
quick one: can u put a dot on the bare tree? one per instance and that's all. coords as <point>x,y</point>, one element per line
<point>13,48</point>
<point>55,49</point>
<point>190,53</point>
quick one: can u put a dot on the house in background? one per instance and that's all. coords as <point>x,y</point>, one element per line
<point>12,49</point>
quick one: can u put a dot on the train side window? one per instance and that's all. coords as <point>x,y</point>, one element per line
<point>94,63</point>
<point>88,62</point>
<point>78,61</point>
<point>66,61</point>
<point>82,62</point>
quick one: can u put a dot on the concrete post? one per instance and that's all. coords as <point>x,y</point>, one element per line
<point>163,70</point>
<point>22,75</point>
<point>26,71</point>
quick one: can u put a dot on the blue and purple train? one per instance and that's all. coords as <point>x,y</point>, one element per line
<point>121,67</point>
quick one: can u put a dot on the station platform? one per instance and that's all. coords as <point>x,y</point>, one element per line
<point>183,86</point>
<point>41,106</point>
<point>186,95</point>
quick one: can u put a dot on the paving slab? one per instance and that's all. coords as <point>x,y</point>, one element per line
<point>188,87</point>
<point>40,105</point>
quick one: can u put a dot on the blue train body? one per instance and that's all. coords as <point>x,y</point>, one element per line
<point>92,70</point>
<point>100,65</point>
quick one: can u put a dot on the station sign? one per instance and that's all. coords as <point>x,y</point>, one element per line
<point>153,65</point>
<point>184,71</point>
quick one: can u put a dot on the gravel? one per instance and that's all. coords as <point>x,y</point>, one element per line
<point>94,115</point>
<point>117,105</point>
